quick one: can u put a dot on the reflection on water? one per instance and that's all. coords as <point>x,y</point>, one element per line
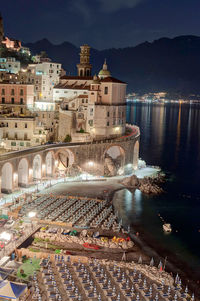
<point>170,138</point>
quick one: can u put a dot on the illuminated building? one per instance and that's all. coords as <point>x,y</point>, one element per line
<point>10,65</point>
<point>91,107</point>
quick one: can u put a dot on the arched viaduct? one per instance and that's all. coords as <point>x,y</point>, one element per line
<point>22,168</point>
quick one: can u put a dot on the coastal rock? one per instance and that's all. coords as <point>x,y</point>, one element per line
<point>147,185</point>
<point>132,181</point>
<point>110,166</point>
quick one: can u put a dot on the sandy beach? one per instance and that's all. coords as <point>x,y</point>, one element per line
<point>143,247</point>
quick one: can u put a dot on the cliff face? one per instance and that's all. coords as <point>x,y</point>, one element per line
<point>166,64</point>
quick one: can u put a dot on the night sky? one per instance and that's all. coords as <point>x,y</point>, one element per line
<point>100,23</point>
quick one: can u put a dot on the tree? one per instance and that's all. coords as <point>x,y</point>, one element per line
<point>68,138</point>
<point>82,130</point>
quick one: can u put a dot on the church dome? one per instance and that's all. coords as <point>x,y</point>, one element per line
<point>104,72</point>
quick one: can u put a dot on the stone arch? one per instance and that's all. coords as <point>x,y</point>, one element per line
<point>114,160</point>
<point>7,178</point>
<point>23,173</point>
<point>66,158</point>
<point>136,155</point>
<point>37,167</point>
<point>49,160</point>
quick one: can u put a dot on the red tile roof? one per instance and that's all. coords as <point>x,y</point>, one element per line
<point>111,80</point>
<point>73,86</point>
<point>83,96</point>
<point>77,77</point>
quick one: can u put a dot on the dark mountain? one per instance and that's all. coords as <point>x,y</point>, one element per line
<point>164,65</point>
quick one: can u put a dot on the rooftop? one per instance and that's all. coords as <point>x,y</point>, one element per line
<point>77,77</point>
<point>112,80</point>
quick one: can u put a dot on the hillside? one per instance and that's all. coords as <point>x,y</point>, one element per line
<point>166,64</point>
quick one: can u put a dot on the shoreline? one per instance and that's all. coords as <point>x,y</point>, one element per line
<point>173,264</point>
<point>145,247</point>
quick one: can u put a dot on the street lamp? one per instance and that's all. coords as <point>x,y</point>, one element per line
<point>91,164</point>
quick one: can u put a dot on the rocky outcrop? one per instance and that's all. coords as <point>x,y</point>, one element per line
<point>73,170</point>
<point>147,185</point>
<point>110,168</point>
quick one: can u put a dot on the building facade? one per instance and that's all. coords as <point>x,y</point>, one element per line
<point>10,65</point>
<point>91,107</point>
<point>16,94</point>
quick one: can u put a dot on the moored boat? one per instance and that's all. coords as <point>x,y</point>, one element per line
<point>167,228</point>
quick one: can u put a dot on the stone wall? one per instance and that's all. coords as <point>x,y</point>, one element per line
<point>89,157</point>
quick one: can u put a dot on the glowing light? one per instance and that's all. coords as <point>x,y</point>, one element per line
<point>30,171</point>
<point>117,129</point>
<point>84,176</point>
<point>120,171</point>
<point>91,163</point>
<point>43,166</point>
<point>15,176</point>
<point>129,165</point>
<point>32,214</point>
<point>5,235</point>
<point>56,162</point>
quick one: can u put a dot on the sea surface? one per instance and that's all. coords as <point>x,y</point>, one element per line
<point>170,138</point>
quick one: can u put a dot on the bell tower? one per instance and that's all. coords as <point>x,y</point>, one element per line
<point>1,29</point>
<point>84,68</point>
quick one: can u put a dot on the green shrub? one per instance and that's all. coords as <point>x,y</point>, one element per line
<point>68,138</point>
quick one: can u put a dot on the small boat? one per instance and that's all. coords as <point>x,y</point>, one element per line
<point>167,228</point>
<point>91,246</point>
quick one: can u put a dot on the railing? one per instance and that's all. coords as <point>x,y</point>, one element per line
<point>134,133</point>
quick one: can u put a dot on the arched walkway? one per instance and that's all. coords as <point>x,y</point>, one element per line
<point>136,155</point>
<point>37,167</point>
<point>66,158</point>
<point>23,173</point>
<point>7,178</point>
<point>49,164</point>
<point>114,159</point>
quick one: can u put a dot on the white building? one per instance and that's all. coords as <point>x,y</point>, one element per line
<point>18,133</point>
<point>10,65</point>
<point>51,74</point>
<point>90,107</point>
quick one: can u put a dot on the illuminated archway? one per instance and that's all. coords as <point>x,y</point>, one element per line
<point>37,167</point>
<point>7,178</point>
<point>66,158</point>
<point>114,160</point>
<point>49,164</point>
<point>136,155</point>
<point>23,173</point>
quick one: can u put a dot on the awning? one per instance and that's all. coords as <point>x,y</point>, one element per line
<point>11,290</point>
